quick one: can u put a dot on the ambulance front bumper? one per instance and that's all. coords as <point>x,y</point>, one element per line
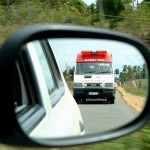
<point>94,92</point>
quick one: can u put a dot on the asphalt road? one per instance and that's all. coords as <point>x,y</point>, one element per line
<point>98,115</point>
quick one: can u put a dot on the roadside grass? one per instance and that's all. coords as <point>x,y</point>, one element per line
<point>135,141</point>
<point>134,91</point>
<point>140,90</point>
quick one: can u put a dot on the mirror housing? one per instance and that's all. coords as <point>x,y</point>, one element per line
<point>11,132</point>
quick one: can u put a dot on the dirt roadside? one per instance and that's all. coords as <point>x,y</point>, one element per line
<point>136,102</point>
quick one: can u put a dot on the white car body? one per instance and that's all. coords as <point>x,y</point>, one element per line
<point>62,119</point>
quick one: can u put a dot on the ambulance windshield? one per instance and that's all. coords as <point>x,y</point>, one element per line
<point>94,68</point>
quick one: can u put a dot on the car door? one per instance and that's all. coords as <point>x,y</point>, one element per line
<point>56,113</point>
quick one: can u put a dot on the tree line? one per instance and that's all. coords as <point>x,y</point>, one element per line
<point>128,73</point>
<point>111,14</point>
<point>133,72</point>
<point>69,73</point>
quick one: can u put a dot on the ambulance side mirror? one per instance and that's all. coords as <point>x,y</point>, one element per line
<point>116,71</point>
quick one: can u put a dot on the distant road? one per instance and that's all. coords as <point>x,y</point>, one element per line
<point>98,115</point>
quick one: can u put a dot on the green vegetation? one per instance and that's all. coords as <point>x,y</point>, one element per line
<point>114,14</point>
<point>69,73</point>
<point>134,79</point>
<point>139,90</point>
<point>70,85</point>
<point>18,13</point>
<point>136,141</point>
<point>130,73</point>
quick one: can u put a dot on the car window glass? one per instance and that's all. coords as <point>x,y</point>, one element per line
<point>49,73</point>
<point>45,67</point>
<point>23,91</point>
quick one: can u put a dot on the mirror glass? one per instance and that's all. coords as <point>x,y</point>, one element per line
<point>106,86</point>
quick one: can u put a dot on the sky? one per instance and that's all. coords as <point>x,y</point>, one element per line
<point>66,50</point>
<point>88,2</point>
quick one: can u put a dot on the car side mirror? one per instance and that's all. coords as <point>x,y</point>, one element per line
<point>37,108</point>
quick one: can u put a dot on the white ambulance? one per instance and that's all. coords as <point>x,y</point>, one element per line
<point>94,76</point>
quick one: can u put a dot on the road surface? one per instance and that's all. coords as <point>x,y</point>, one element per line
<point>98,115</point>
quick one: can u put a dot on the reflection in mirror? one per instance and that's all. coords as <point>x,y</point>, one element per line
<point>90,68</point>
<point>107,83</point>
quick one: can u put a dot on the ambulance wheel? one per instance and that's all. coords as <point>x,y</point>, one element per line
<point>112,102</point>
<point>111,99</point>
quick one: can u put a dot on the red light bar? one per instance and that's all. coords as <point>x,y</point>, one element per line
<point>86,52</point>
<point>94,56</point>
<point>98,52</point>
<point>102,53</point>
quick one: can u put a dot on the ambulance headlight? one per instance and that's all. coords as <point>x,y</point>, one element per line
<point>108,84</point>
<point>78,85</point>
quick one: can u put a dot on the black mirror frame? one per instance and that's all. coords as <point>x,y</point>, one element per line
<point>10,130</point>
